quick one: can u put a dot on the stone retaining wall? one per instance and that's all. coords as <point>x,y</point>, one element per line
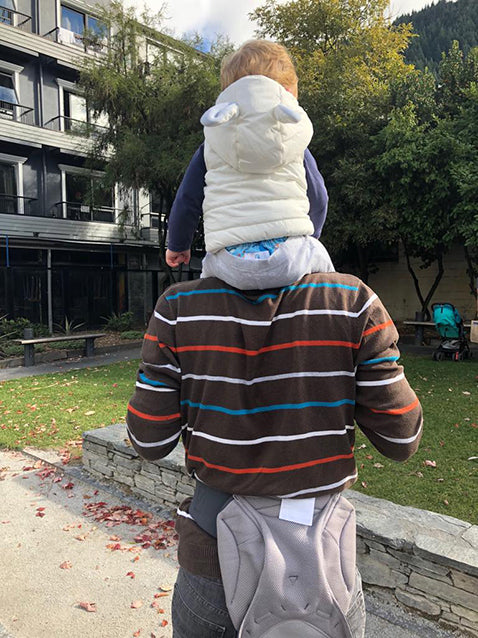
<point>424,561</point>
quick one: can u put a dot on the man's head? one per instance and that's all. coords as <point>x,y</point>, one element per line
<point>260,57</point>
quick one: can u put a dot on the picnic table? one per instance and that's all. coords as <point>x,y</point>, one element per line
<point>29,344</point>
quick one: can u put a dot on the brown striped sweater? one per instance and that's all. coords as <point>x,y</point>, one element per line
<point>265,389</point>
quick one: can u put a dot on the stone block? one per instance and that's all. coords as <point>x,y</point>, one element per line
<point>443,591</point>
<point>144,483</point>
<point>101,469</point>
<point>463,581</point>
<point>463,612</point>
<point>361,546</point>
<point>168,478</point>
<point>421,563</point>
<point>94,447</point>
<point>375,572</point>
<point>122,478</point>
<point>386,559</point>
<point>379,547</point>
<point>186,488</point>
<point>451,552</point>
<point>420,603</point>
<point>152,467</point>
<point>94,456</point>
<point>127,462</point>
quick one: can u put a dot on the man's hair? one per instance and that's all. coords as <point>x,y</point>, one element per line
<point>259,57</point>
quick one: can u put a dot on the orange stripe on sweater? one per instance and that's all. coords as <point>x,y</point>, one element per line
<point>151,417</point>
<point>150,337</point>
<point>380,326</point>
<point>269,470</point>
<point>407,408</point>
<point>254,353</point>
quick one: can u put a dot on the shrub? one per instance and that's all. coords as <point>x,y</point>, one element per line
<point>119,322</point>
<point>13,328</point>
<point>132,334</point>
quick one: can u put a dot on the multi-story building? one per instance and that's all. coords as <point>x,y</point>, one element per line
<point>65,250</point>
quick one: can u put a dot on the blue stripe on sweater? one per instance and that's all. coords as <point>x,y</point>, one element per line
<point>228,291</point>
<point>379,360</point>
<point>270,408</point>
<point>145,379</point>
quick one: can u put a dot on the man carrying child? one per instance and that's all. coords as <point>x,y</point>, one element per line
<point>264,368</point>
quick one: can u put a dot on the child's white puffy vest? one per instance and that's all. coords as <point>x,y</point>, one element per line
<point>255,138</point>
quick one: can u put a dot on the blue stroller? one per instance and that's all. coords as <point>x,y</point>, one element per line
<point>449,324</point>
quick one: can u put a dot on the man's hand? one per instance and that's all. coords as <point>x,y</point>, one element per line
<point>174,259</point>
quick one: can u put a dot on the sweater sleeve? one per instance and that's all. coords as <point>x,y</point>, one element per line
<point>387,410</point>
<point>153,418</point>
<point>316,192</point>
<point>187,206</point>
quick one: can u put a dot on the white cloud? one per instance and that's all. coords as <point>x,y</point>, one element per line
<point>230,17</point>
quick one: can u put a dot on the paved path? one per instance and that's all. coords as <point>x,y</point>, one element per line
<point>71,364</point>
<point>43,526</point>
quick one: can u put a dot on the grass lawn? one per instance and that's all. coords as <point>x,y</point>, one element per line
<point>53,411</point>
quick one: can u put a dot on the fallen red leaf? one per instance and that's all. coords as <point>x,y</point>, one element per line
<point>137,633</point>
<point>66,565</point>
<point>131,574</point>
<point>164,622</point>
<point>68,486</point>
<point>88,606</point>
<point>136,604</point>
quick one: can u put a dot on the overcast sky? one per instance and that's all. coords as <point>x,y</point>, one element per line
<point>229,17</point>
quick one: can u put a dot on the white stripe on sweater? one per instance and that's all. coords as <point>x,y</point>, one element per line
<point>399,377</point>
<point>249,322</point>
<point>146,386</point>
<point>322,488</point>
<point>267,439</point>
<point>168,366</point>
<point>273,377</point>
<point>154,443</point>
<point>410,439</point>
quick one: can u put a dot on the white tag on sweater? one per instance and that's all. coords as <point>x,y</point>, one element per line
<point>297,510</point>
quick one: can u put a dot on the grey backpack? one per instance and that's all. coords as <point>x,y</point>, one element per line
<point>288,580</point>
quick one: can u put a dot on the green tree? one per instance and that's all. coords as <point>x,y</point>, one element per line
<point>153,90</point>
<point>348,58</point>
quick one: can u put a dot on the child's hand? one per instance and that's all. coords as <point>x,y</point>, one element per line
<point>174,259</point>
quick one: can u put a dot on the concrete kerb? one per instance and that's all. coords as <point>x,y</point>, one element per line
<point>425,562</point>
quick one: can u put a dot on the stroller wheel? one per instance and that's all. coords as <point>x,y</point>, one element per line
<point>438,356</point>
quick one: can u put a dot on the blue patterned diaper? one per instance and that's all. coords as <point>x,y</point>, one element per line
<point>256,249</point>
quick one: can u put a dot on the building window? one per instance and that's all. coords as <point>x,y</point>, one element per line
<point>6,11</point>
<point>8,96</point>
<point>74,24</point>
<point>8,189</point>
<point>75,111</point>
<point>87,199</point>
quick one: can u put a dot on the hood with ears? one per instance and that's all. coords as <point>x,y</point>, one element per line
<point>257,126</point>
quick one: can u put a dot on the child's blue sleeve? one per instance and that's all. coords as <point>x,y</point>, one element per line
<point>187,206</point>
<point>316,192</point>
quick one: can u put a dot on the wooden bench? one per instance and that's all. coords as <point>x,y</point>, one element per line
<point>421,325</point>
<point>29,344</point>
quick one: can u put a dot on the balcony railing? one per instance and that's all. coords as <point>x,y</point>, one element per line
<point>16,112</point>
<point>89,44</point>
<point>75,127</point>
<point>83,212</point>
<point>16,204</point>
<point>15,19</point>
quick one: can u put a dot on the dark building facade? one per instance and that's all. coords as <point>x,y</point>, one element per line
<point>67,248</point>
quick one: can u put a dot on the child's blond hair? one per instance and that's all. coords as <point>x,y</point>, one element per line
<point>259,57</point>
